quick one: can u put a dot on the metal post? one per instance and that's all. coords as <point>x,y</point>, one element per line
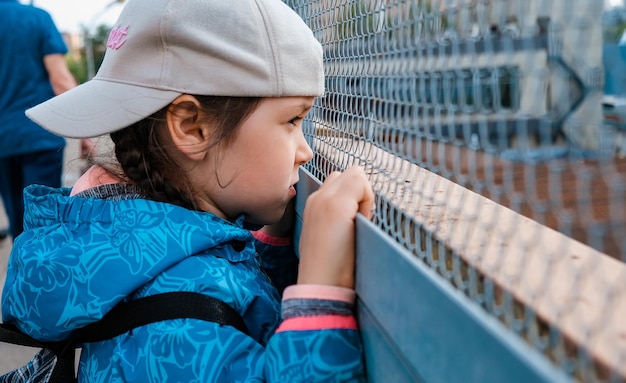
<point>91,70</point>
<point>89,48</point>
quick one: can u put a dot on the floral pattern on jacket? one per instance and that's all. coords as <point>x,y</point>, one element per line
<point>79,257</point>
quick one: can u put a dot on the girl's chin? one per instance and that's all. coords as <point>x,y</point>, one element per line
<point>274,214</point>
<point>265,220</point>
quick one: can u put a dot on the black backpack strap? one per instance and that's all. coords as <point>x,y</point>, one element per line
<point>155,308</point>
<point>129,315</point>
<point>122,318</point>
<point>11,334</point>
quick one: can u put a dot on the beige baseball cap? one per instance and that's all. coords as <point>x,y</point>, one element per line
<point>160,49</point>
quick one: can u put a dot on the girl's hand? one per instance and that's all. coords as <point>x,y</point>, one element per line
<point>327,241</point>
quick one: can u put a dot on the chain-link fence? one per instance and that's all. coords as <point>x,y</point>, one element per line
<point>481,125</point>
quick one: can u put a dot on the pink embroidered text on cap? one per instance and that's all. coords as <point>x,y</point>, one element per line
<point>117,38</point>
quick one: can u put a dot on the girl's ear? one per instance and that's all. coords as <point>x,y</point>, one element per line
<point>189,132</point>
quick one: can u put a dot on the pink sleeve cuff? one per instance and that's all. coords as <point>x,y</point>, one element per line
<point>271,240</point>
<point>333,293</point>
<point>323,322</point>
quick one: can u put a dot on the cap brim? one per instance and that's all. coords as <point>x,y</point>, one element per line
<point>98,107</point>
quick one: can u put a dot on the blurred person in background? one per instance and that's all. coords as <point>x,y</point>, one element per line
<point>32,70</point>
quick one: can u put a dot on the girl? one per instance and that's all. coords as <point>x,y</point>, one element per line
<point>204,102</point>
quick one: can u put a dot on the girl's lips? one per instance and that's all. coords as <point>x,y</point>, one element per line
<point>292,191</point>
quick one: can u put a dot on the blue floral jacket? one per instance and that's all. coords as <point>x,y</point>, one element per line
<point>79,257</point>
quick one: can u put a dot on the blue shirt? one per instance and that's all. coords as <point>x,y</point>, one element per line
<point>27,35</point>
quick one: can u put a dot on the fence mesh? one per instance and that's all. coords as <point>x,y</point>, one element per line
<point>484,128</point>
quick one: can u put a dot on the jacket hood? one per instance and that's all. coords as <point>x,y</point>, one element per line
<point>108,249</point>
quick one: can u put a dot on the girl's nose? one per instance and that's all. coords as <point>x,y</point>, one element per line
<point>304,153</point>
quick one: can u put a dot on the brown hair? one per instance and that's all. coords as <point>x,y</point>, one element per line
<point>145,162</point>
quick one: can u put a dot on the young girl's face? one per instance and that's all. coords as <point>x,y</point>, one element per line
<point>254,173</point>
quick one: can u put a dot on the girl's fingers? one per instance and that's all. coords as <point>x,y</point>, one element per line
<point>327,238</point>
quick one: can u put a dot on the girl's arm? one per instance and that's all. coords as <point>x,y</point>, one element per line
<point>318,338</point>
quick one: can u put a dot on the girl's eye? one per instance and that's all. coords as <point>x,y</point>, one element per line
<point>295,120</point>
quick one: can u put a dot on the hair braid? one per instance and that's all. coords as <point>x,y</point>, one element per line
<point>147,165</point>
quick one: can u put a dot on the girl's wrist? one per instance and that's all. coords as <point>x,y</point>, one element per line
<point>315,291</point>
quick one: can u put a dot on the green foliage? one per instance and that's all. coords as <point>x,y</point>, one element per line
<point>613,33</point>
<point>99,44</point>
<point>78,67</point>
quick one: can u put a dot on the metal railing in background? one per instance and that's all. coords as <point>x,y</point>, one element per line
<point>497,249</point>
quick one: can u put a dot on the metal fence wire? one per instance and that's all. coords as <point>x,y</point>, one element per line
<point>480,124</point>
